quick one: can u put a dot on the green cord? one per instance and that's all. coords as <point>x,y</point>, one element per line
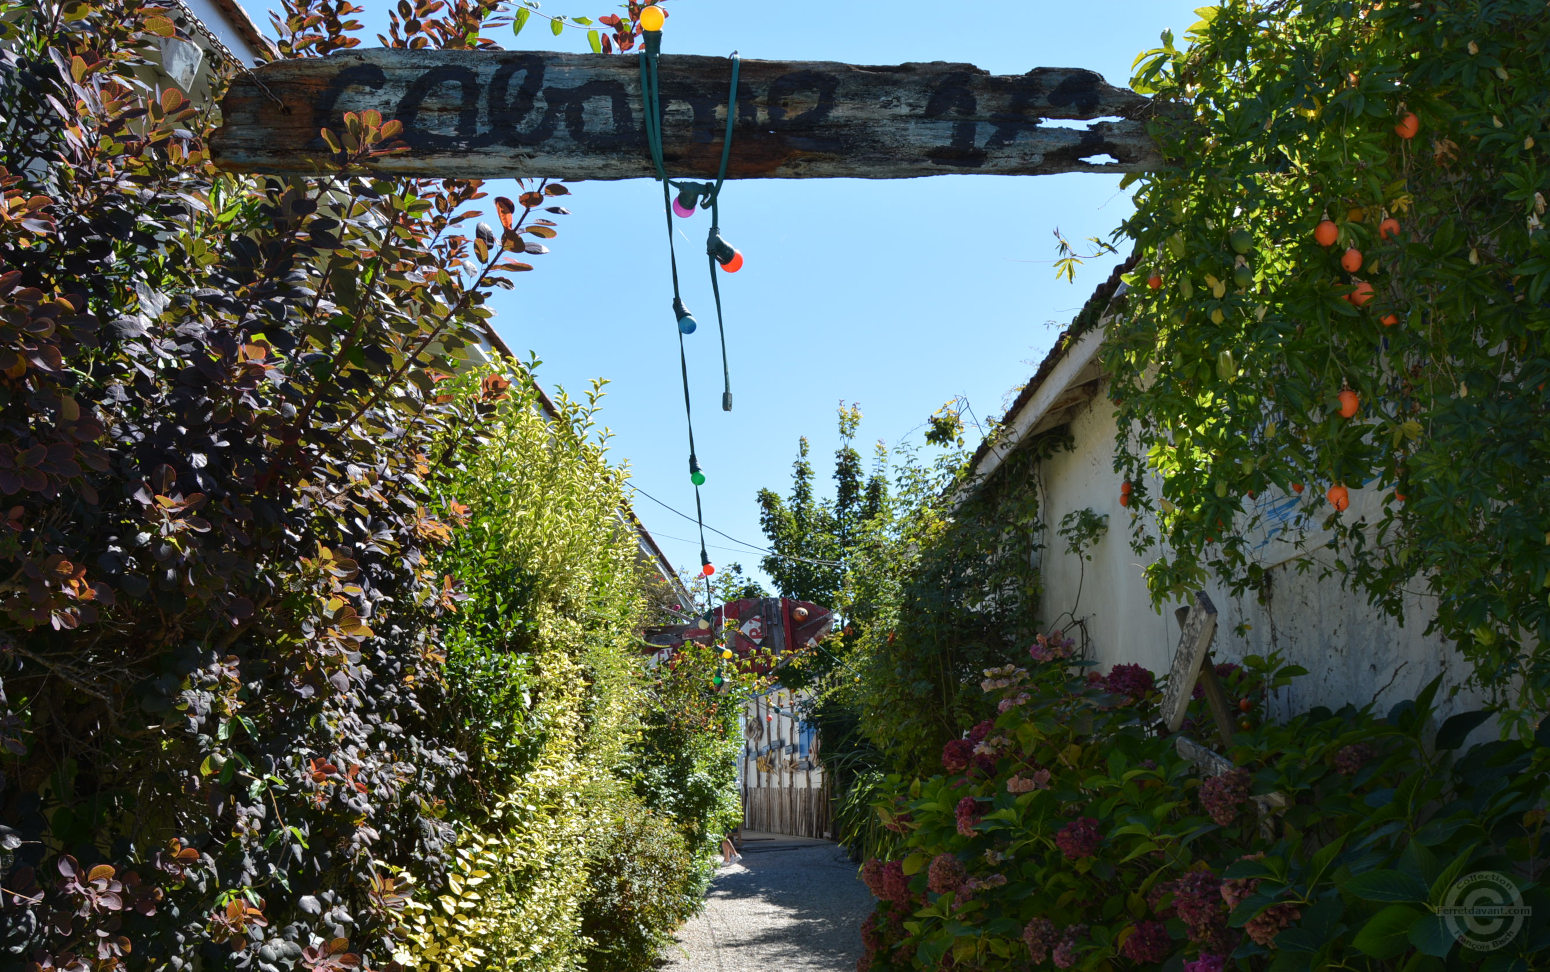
<point>652,105</point>
<point>652,99</point>
<point>715,225</point>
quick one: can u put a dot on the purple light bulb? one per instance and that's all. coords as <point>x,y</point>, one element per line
<point>679,209</point>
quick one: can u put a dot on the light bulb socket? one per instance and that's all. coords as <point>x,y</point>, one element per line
<point>686,321</point>
<point>719,249</point>
<point>726,401</point>
<point>689,195</point>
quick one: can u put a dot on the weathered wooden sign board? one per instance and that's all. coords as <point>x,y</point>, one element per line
<point>1191,664</point>
<point>494,114</point>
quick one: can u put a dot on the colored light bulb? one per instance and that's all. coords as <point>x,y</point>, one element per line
<point>722,252</point>
<point>707,570</point>
<point>717,679</point>
<point>651,18</point>
<point>679,209</point>
<point>686,321</point>
<point>726,653</point>
<point>697,478</point>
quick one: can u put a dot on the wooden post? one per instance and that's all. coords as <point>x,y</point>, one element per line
<point>492,114</point>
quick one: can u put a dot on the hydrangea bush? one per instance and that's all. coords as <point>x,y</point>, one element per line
<point>1068,832</point>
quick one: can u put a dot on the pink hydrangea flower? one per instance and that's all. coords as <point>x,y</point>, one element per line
<point>871,935</point>
<point>872,876</point>
<point>1207,963</point>
<point>945,874</point>
<point>1132,681</point>
<point>1038,780</point>
<point>1234,890</point>
<point>1079,838</point>
<point>1350,759</point>
<point>1040,935</point>
<point>895,886</point>
<point>1051,647</point>
<point>1197,899</point>
<point>1221,796</point>
<point>1012,702</point>
<point>973,884</point>
<point>1065,953</point>
<point>957,755</point>
<point>1265,926</point>
<point>968,813</point>
<point>1148,943</point>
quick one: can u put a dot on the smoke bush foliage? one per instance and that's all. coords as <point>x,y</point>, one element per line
<point>260,705</point>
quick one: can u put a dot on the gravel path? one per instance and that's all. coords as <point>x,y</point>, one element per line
<point>791,905</point>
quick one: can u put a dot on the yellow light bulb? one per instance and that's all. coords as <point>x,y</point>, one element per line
<point>726,653</point>
<point>651,18</point>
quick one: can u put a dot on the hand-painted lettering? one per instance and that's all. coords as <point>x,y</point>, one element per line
<point>409,109</point>
<point>953,96</point>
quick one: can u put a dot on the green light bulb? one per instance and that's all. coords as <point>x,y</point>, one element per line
<point>697,478</point>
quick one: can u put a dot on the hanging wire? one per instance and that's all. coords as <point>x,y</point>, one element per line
<point>753,548</point>
<point>652,104</point>
<point>715,234</point>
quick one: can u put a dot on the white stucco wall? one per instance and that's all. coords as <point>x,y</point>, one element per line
<point>220,24</point>
<point>1352,652</point>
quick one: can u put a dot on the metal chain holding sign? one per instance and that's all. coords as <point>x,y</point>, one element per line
<point>193,21</point>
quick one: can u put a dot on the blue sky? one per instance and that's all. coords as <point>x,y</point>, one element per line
<point>894,294</point>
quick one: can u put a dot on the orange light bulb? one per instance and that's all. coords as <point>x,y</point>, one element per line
<point>651,18</point>
<point>735,264</point>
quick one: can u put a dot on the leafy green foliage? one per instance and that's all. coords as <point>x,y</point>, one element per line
<point>685,763</point>
<point>812,538</point>
<point>643,883</point>
<point>951,592</point>
<point>1063,831</point>
<point>1227,369</point>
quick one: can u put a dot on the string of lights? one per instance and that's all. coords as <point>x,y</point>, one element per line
<point>690,194</point>
<point>753,547</point>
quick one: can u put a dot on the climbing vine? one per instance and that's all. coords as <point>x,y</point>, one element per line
<point>1340,301</point>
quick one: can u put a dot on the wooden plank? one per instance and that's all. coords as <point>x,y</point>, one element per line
<point>1206,760</point>
<point>492,114</point>
<point>1212,763</point>
<point>1216,699</point>
<point>1194,643</point>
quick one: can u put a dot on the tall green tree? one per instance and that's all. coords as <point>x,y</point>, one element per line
<point>814,539</point>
